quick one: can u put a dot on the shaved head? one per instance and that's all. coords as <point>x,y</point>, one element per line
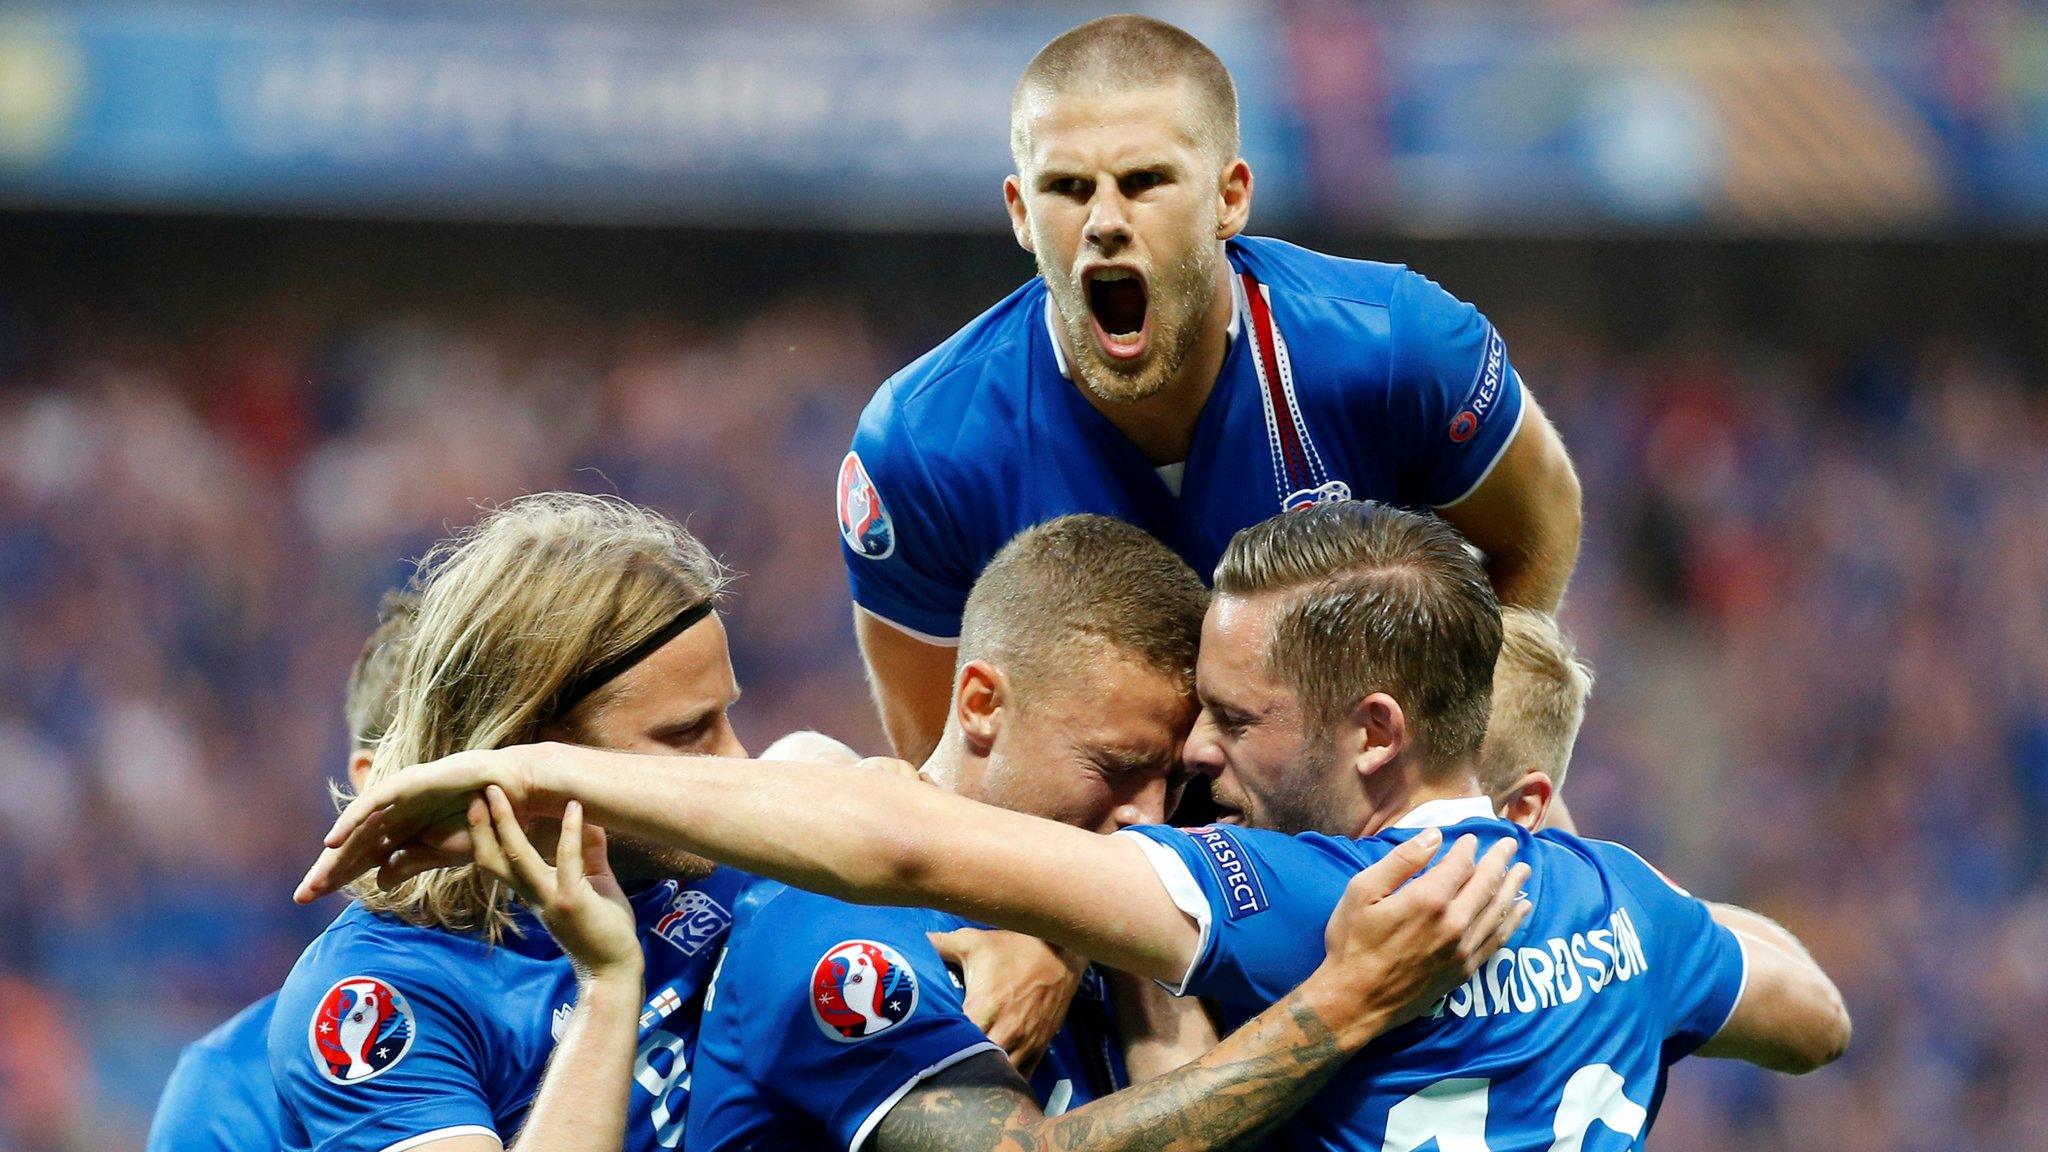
<point>1122,54</point>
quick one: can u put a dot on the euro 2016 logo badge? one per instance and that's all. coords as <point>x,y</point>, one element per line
<point>362,1028</point>
<point>863,522</point>
<point>860,989</point>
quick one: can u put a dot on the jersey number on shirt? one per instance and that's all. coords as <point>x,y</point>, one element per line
<point>671,1107</point>
<point>1453,1113</point>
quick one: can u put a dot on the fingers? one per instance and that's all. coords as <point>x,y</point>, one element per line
<point>954,946</point>
<point>1501,918</point>
<point>531,876</point>
<point>569,850</point>
<point>483,839</point>
<point>1394,869</point>
<point>1484,883</point>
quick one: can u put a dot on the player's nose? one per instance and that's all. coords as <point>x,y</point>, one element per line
<point>1109,228</point>
<point>1146,806</point>
<point>1203,752</point>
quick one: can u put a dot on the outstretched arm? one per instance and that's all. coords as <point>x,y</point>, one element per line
<point>1388,955</point>
<point>1790,1017</point>
<point>866,837</point>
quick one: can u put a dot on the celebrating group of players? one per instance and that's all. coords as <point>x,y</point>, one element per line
<point>583,920</point>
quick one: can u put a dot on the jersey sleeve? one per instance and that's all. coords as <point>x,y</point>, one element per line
<point>843,1009</point>
<point>1701,962</point>
<point>895,532</point>
<point>1454,401</point>
<point>388,1054</point>
<point>1261,900</point>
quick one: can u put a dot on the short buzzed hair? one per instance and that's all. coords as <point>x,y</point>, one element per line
<point>1540,688</point>
<point>1380,600</point>
<point>373,681</point>
<point>1059,592</point>
<point>1122,53</point>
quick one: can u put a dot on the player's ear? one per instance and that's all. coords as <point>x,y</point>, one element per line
<point>359,769</point>
<point>1234,198</point>
<point>1378,732</point>
<point>1020,218</point>
<point>1528,801</point>
<point>978,697</point>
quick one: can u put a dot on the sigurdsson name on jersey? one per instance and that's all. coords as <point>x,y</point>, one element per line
<point>1557,972</point>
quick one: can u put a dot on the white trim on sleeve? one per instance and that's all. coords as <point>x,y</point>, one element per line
<point>1742,949</point>
<point>1521,414</point>
<point>867,1126</point>
<point>914,634</point>
<point>1186,891</point>
<point>424,1138</point>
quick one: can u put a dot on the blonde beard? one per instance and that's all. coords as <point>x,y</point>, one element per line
<point>1174,336</point>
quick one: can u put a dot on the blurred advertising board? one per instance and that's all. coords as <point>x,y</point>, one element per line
<point>1766,119</point>
<point>770,115</point>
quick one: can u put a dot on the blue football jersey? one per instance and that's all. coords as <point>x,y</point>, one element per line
<point>1561,1039</point>
<point>387,1033</point>
<point>220,1097</point>
<point>824,1014</point>
<point>1344,379</point>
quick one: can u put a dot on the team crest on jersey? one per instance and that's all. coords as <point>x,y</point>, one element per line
<point>692,921</point>
<point>362,1028</point>
<point>860,989</point>
<point>1485,392</point>
<point>863,522</point>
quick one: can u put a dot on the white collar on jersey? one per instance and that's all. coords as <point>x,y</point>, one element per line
<point>1443,813</point>
<point>1059,355</point>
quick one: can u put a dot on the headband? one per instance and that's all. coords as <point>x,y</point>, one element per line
<point>575,691</point>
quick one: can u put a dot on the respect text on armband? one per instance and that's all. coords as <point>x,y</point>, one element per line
<point>1244,894</point>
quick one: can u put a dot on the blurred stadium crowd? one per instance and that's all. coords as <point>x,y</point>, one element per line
<point>1815,591</point>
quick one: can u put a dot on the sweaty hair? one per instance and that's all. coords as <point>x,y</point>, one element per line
<point>373,681</point>
<point>1378,600</point>
<point>1540,687</point>
<point>1056,594</point>
<point>512,610</point>
<point>1122,54</point>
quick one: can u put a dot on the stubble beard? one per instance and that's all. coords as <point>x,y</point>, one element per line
<point>1177,305</point>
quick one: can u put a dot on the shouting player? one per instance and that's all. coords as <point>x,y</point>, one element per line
<point>220,1097</point>
<point>1165,369</point>
<point>1345,670</point>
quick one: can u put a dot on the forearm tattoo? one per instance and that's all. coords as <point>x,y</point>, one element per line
<point>1228,1099</point>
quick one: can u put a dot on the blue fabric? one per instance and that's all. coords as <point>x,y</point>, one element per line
<point>1614,976</point>
<point>1406,396</point>
<point>220,1097</point>
<point>779,1067</point>
<point>478,1024</point>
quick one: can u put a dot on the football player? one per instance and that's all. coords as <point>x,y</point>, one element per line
<point>1167,369</point>
<point>220,1097</point>
<point>1345,674</point>
<point>425,1015</point>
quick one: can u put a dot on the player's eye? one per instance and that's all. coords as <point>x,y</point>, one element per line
<point>1073,186</point>
<point>1142,181</point>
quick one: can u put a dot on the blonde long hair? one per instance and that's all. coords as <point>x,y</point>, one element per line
<point>512,609</point>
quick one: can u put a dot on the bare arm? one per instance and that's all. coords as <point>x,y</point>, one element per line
<point>866,837</point>
<point>1160,1031</point>
<point>1525,515</point>
<point>1387,957</point>
<point>912,683</point>
<point>1790,1017</point>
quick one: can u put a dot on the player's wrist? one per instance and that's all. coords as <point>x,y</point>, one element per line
<point>1345,1005</point>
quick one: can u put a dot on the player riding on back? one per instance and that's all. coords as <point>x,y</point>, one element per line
<point>1165,369</point>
